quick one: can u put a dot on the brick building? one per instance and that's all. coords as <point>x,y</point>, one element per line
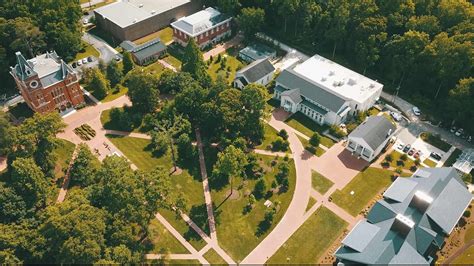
<point>207,27</point>
<point>47,83</point>
<point>133,19</point>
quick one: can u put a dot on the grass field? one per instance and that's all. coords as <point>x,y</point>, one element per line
<point>430,162</point>
<point>320,183</point>
<point>269,137</point>
<point>64,152</point>
<point>165,35</point>
<point>308,147</point>
<point>155,68</point>
<point>397,162</point>
<point>435,141</point>
<point>237,231</point>
<point>311,240</point>
<point>107,123</point>
<point>213,258</point>
<point>311,202</point>
<point>215,68</point>
<point>366,185</point>
<point>160,237</point>
<point>87,50</point>
<point>307,126</point>
<point>466,258</point>
<point>175,62</point>
<point>115,94</point>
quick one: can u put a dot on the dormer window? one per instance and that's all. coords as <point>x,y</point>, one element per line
<point>28,72</point>
<point>34,84</point>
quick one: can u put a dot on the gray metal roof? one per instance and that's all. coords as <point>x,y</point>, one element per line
<point>126,13</point>
<point>257,70</point>
<point>374,131</point>
<point>257,51</point>
<point>292,80</point>
<point>201,21</point>
<point>144,50</point>
<point>293,94</point>
<point>447,199</point>
<point>314,107</point>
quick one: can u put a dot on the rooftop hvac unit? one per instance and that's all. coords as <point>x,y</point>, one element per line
<point>332,73</point>
<point>140,5</point>
<point>153,11</point>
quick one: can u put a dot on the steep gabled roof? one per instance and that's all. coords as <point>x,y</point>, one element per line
<point>374,131</point>
<point>256,70</point>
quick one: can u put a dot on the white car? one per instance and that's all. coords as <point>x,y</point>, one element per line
<point>459,132</point>
<point>79,62</point>
<point>396,116</point>
<point>416,111</point>
<point>84,61</point>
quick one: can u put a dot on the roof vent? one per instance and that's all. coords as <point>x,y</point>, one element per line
<point>372,85</point>
<point>135,20</point>
<point>352,82</point>
<point>324,79</point>
<point>140,5</point>
<point>332,73</point>
<point>153,11</point>
<point>402,224</point>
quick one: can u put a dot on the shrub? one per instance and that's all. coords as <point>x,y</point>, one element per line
<point>336,131</point>
<point>417,162</point>
<point>315,139</point>
<point>404,157</point>
<point>280,144</point>
<point>398,170</point>
<point>260,188</point>
<point>311,149</point>
<point>283,134</point>
<point>389,157</point>
<point>467,214</point>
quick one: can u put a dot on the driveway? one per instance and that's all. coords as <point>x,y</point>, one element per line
<point>292,55</point>
<point>107,53</point>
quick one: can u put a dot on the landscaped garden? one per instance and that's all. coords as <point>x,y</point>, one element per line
<point>400,161</point>
<point>453,158</point>
<point>320,183</point>
<point>225,65</point>
<point>318,151</point>
<point>307,126</point>
<point>311,240</point>
<point>85,132</point>
<point>270,135</point>
<point>122,119</point>
<point>362,189</point>
<point>238,227</point>
<point>86,51</point>
<point>435,140</point>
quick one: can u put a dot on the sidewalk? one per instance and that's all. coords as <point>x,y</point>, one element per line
<point>221,48</point>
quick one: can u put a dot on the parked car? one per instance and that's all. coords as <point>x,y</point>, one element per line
<point>453,129</point>
<point>412,151</point>
<point>435,155</point>
<point>74,64</point>
<point>90,59</point>
<point>417,154</point>
<point>459,132</point>
<point>79,62</point>
<point>407,148</point>
<point>416,111</point>
<point>84,61</point>
<point>396,116</point>
<point>117,58</point>
<point>400,146</point>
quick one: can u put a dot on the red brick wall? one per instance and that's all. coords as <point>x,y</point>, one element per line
<point>212,33</point>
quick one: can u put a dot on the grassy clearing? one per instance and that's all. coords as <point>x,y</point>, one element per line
<point>435,141</point>
<point>237,231</point>
<point>269,137</point>
<point>430,162</point>
<point>323,227</point>
<point>366,185</point>
<point>115,94</point>
<point>229,69</point>
<point>307,126</point>
<point>373,111</point>
<point>213,258</point>
<point>311,203</point>
<point>107,123</point>
<point>452,158</point>
<point>466,258</point>
<point>318,151</point>
<point>175,62</point>
<point>86,51</point>
<point>63,152</point>
<point>397,162</point>
<point>20,110</point>
<point>155,68</point>
<point>160,238</point>
<point>320,183</point>
<point>165,35</point>
<point>188,183</point>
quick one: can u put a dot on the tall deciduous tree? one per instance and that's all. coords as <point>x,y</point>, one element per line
<point>193,62</point>
<point>29,181</point>
<point>230,164</point>
<point>143,91</point>
<point>461,102</point>
<point>114,74</point>
<point>99,84</point>
<point>251,20</point>
<point>128,64</point>
<point>338,18</point>
<point>84,168</point>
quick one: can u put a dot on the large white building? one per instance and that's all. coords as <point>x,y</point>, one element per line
<point>325,91</point>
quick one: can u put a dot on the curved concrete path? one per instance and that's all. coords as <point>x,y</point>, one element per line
<point>295,214</point>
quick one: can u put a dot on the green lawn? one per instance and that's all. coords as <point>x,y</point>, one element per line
<point>435,141</point>
<point>469,233</point>
<point>20,110</point>
<point>311,203</point>
<point>155,68</point>
<point>397,162</point>
<point>308,147</point>
<point>115,94</point>
<point>452,158</point>
<point>160,237</point>
<point>320,183</point>
<point>366,185</point>
<point>63,152</point>
<point>269,137</point>
<point>107,123</point>
<point>213,258</point>
<point>215,68</point>
<point>236,230</point>
<point>430,162</point>
<point>188,183</point>
<point>307,126</point>
<point>86,51</point>
<point>466,258</point>
<point>311,240</point>
<point>173,61</point>
<point>166,35</point>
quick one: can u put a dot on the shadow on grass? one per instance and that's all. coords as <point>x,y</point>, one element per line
<point>198,215</point>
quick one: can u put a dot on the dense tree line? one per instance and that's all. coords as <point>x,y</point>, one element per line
<point>36,26</point>
<point>424,47</point>
<point>103,220</point>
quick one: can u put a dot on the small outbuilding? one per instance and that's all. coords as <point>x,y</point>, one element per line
<point>256,52</point>
<point>145,53</point>
<point>259,72</point>
<point>370,137</point>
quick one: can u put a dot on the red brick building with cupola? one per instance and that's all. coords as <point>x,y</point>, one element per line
<point>47,83</point>
<point>207,27</point>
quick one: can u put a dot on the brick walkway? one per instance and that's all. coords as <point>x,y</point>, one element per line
<point>221,48</point>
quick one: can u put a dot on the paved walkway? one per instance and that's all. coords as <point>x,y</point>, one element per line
<point>169,66</point>
<point>205,184</point>
<point>221,48</point>
<point>272,153</point>
<point>65,185</point>
<point>127,134</point>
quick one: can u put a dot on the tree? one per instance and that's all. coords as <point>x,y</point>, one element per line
<point>283,134</point>
<point>371,34</point>
<point>99,85</point>
<point>315,139</point>
<point>184,147</point>
<point>229,6</point>
<point>260,188</point>
<point>251,21</point>
<point>13,205</point>
<point>189,102</point>
<point>84,168</point>
<point>29,181</point>
<point>160,142</point>
<point>5,133</point>
<point>337,22</point>
<point>114,74</point>
<point>128,64</point>
<point>230,164</point>
<point>460,97</point>
<point>193,63</point>
<point>428,24</point>
<point>143,91</point>
<point>28,36</point>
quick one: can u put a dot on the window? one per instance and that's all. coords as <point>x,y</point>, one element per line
<point>34,84</point>
<point>212,31</point>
